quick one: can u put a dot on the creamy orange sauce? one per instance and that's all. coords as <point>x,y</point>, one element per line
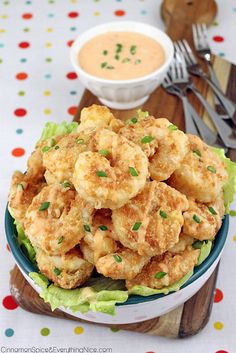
<point>121,55</point>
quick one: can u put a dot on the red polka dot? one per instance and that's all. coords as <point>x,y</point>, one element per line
<point>27,16</point>
<point>24,45</point>
<point>218,39</point>
<point>21,76</point>
<point>9,303</point>
<point>119,13</point>
<point>71,75</point>
<point>69,43</point>
<point>218,296</point>
<point>8,248</point>
<point>20,112</point>
<point>221,351</point>
<point>73,14</point>
<point>18,152</point>
<point>72,110</point>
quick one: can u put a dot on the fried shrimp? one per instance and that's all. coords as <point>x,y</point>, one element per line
<point>123,264</point>
<point>163,271</point>
<point>164,145</point>
<point>98,117</point>
<point>112,174</point>
<point>202,173</point>
<point>22,191</point>
<point>202,221</point>
<point>67,271</point>
<point>57,219</point>
<point>59,160</point>
<point>151,222</point>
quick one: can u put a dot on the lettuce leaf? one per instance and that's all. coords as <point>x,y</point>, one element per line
<point>230,186</point>
<point>205,251</point>
<point>25,243</point>
<point>53,129</point>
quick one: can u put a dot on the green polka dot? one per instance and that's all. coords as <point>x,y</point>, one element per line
<point>26,29</point>
<point>1,61</point>
<point>21,93</point>
<point>115,329</point>
<point>48,60</point>
<point>6,3</point>
<point>23,60</point>
<point>45,331</point>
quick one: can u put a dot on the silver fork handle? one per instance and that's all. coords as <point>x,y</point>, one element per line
<point>190,127</point>
<point>225,132</point>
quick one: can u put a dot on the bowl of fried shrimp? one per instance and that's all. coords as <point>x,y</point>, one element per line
<point>119,221</point>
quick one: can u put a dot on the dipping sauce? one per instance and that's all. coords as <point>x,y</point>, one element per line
<point>121,55</point>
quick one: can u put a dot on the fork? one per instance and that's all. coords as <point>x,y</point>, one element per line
<point>180,75</point>
<point>196,70</point>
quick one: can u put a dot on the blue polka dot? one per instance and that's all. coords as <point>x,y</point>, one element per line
<point>234,9</point>
<point>1,45</point>
<point>143,12</point>
<point>73,28</point>
<point>221,54</point>
<point>23,60</point>
<point>9,332</point>
<point>48,76</point>
<point>19,131</point>
<point>28,2</point>
<point>118,0</point>
<point>51,15</point>
<point>73,92</point>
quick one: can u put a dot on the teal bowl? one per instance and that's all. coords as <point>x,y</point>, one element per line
<point>199,277</point>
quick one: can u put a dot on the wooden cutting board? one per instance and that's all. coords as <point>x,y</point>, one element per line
<point>191,317</point>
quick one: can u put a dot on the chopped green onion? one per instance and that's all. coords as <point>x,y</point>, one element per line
<point>142,114</point>
<point>66,184</point>
<point>138,61</point>
<point>160,275</point>
<point>104,152</point>
<point>117,57</point>
<point>52,142</point>
<point>134,120</point>
<point>110,67</point>
<point>45,149</point>
<point>101,174</point>
<point>163,214</point>
<point>197,244</point>
<point>119,48</point>
<point>104,64</point>
<point>20,187</point>
<point>80,141</point>
<point>60,240</point>
<point>197,152</point>
<point>117,258</point>
<point>133,171</point>
<point>172,127</point>
<point>196,219</point>
<point>211,169</point>
<point>136,226</point>
<point>125,60</point>
<point>212,210</point>
<point>57,147</point>
<point>102,227</point>
<point>44,206</point>
<point>133,49</point>
<point>105,52</point>
<point>87,228</point>
<point>147,139</point>
<point>57,271</point>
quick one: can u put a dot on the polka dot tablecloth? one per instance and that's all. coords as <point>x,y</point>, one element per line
<point>38,84</point>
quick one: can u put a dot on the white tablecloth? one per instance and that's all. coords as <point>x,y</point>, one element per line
<point>37,85</point>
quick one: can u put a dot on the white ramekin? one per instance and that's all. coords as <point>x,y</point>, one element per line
<point>123,94</point>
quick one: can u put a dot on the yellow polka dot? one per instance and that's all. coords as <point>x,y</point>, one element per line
<point>4,17</point>
<point>47,111</point>
<point>218,325</point>
<point>234,238</point>
<point>96,13</point>
<point>47,93</point>
<point>48,45</point>
<point>73,1</point>
<point>2,30</point>
<point>49,30</point>
<point>78,330</point>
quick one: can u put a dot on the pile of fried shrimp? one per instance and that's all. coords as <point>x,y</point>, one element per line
<point>126,200</point>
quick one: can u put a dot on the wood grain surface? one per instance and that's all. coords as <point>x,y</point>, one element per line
<point>191,317</point>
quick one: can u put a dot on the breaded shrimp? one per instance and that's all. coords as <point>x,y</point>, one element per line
<point>164,145</point>
<point>202,173</point>
<point>202,221</point>
<point>151,222</point>
<point>98,117</point>
<point>66,271</point>
<point>111,175</point>
<point>22,191</point>
<point>60,159</point>
<point>123,264</point>
<point>165,270</point>
<point>57,219</point>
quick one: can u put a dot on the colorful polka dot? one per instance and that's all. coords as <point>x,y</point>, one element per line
<point>78,330</point>
<point>218,325</point>
<point>20,112</point>
<point>28,2</point>
<point>47,93</point>
<point>1,61</point>
<point>48,76</point>
<point>71,75</point>
<point>73,93</point>
<point>73,14</point>
<point>21,93</point>
<point>21,76</point>
<point>19,131</point>
<point>18,152</point>
<point>72,110</point>
<point>9,332</point>
<point>47,111</point>
<point>119,13</point>
<point>51,15</point>
<point>73,28</point>
<point>218,39</point>
<point>2,45</point>
<point>48,60</point>
<point>24,45</point>
<point>23,60</point>
<point>4,17</point>
<point>221,54</point>
<point>218,295</point>
<point>9,303</point>
<point>70,42</point>
<point>49,30</point>
<point>96,13</point>
<point>26,29</point>
<point>221,351</point>
<point>74,1</point>
<point>234,238</point>
<point>143,12</point>
<point>27,16</point>
<point>115,329</point>
<point>48,45</point>
<point>2,30</point>
<point>45,331</point>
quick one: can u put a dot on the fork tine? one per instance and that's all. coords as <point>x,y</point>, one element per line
<point>189,51</point>
<point>183,50</point>
<point>195,35</point>
<point>202,35</point>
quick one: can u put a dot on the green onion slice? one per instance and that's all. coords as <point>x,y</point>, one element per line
<point>138,61</point>
<point>117,57</point>
<point>66,184</point>
<point>60,240</point>
<point>104,152</point>
<point>160,275</point>
<point>103,65</point>
<point>102,227</point>
<point>52,142</point>
<point>45,149</point>
<point>117,258</point>
<point>172,127</point>
<point>133,171</point>
<point>212,210</point>
<point>133,49</point>
<point>101,174</point>
<point>57,147</point>
<point>134,120</point>
<point>147,139</point>
<point>197,152</point>
<point>57,271</point>
<point>125,60</point>
<point>44,206</point>
<point>211,169</point>
<point>197,244</point>
<point>80,141</point>
<point>87,228</point>
<point>20,187</point>
<point>136,226</point>
<point>196,219</point>
<point>163,214</point>
<point>105,52</point>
